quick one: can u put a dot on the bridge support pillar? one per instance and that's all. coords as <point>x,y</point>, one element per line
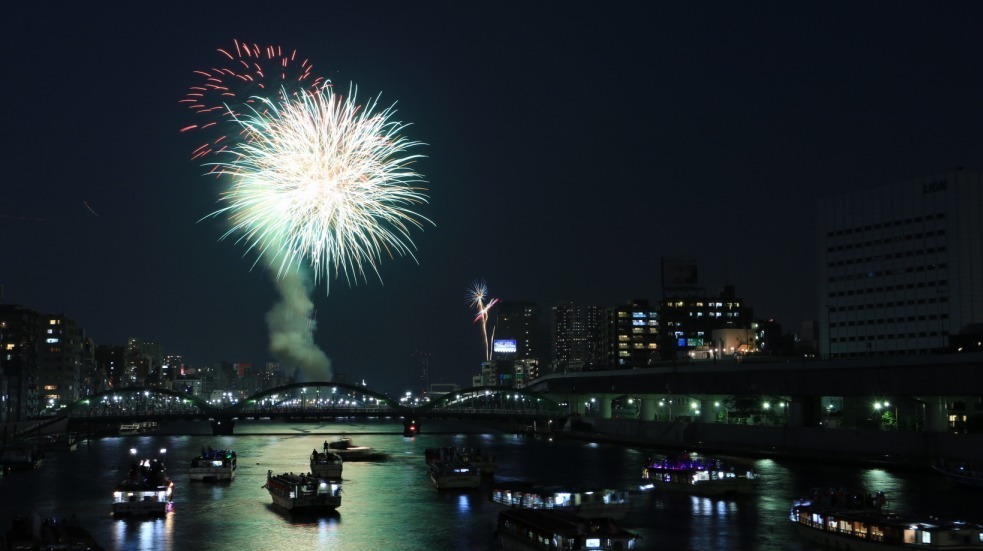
<point>223,426</point>
<point>605,402</point>
<point>805,411</point>
<point>708,409</point>
<point>647,411</point>
<point>936,413</point>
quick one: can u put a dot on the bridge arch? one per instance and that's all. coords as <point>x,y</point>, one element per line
<point>142,400</point>
<point>316,394</point>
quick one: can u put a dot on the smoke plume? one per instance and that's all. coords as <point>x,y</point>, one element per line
<point>291,323</point>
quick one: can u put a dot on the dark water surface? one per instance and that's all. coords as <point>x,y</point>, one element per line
<point>391,505</point>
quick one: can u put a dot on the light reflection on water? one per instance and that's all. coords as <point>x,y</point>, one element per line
<point>392,505</point>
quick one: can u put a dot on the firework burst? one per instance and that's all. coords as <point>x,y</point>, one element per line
<point>244,73</point>
<point>318,179</point>
<point>477,296</point>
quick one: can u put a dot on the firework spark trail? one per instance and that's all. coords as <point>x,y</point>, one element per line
<point>317,182</point>
<point>476,296</point>
<point>245,72</point>
<point>323,181</point>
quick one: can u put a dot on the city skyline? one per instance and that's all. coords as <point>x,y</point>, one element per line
<point>568,149</point>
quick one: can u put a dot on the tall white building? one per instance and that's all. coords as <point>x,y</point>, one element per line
<point>901,266</point>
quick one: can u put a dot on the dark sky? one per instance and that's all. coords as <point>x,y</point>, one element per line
<point>571,145</point>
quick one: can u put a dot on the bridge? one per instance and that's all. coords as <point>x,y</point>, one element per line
<point>311,401</point>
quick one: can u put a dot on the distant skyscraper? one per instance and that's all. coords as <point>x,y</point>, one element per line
<point>901,266</point>
<point>576,335</point>
<point>518,322</point>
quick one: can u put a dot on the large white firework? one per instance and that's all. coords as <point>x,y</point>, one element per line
<point>318,179</point>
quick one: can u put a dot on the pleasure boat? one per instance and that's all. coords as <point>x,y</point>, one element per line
<point>536,529</point>
<point>327,464</point>
<point>303,492</point>
<point>707,477</point>
<point>217,465</point>
<point>145,491</point>
<point>351,452</point>
<point>485,463</point>
<point>589,503</point>
<point>454,475</point>
<point>859,521</point>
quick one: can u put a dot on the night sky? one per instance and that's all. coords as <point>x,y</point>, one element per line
<point>570,146</point>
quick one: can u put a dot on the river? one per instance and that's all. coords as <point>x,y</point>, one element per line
<point>391,505</point>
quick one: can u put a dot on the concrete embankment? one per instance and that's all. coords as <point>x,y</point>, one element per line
<point>862,446</point>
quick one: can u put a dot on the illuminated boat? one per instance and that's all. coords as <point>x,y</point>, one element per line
<point>303,492</point>
<point>326,465</point>
<point>217,465</point>
<point>485,463</point>
<point>838,519</point>
<point>708,477</point>
<point>589,503</point>
<point>454,475</point>
<point>350,452</point>
<point>146,491</point>
<point>535,529</point>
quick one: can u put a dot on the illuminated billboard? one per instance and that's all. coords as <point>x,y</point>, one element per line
<point>504,346</point>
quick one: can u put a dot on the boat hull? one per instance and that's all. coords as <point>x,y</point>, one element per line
<point>211,474</point>
<point>141,508</point>
<point>296,493</point>
<point>313,503</point>
<point>456,482</point>
<point>711,488</point>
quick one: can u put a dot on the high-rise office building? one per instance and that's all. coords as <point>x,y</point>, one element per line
<point>576,335</point>
<point>901,266</point>
<point>518,322</point>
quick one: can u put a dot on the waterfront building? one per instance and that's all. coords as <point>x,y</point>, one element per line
<point>687,325</point>
<point>20,331</point>
<point>576,336</point>
<point>59,361</point>
<point>630,335</point>
<point>901,266</point>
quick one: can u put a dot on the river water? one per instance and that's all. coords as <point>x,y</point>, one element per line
<point>391,505</point>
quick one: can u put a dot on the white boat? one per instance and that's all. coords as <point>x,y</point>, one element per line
<point>960,472</point>
<point>453,475</point>
<point>145,491</point>
<point>707,477</point>
<point>217,465</point>
<point>303,492</point>
<point>537,529</point>
<point>839,519</point>
<point>589,503</point>
<point>126,429</point>
<point>326,465</point>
